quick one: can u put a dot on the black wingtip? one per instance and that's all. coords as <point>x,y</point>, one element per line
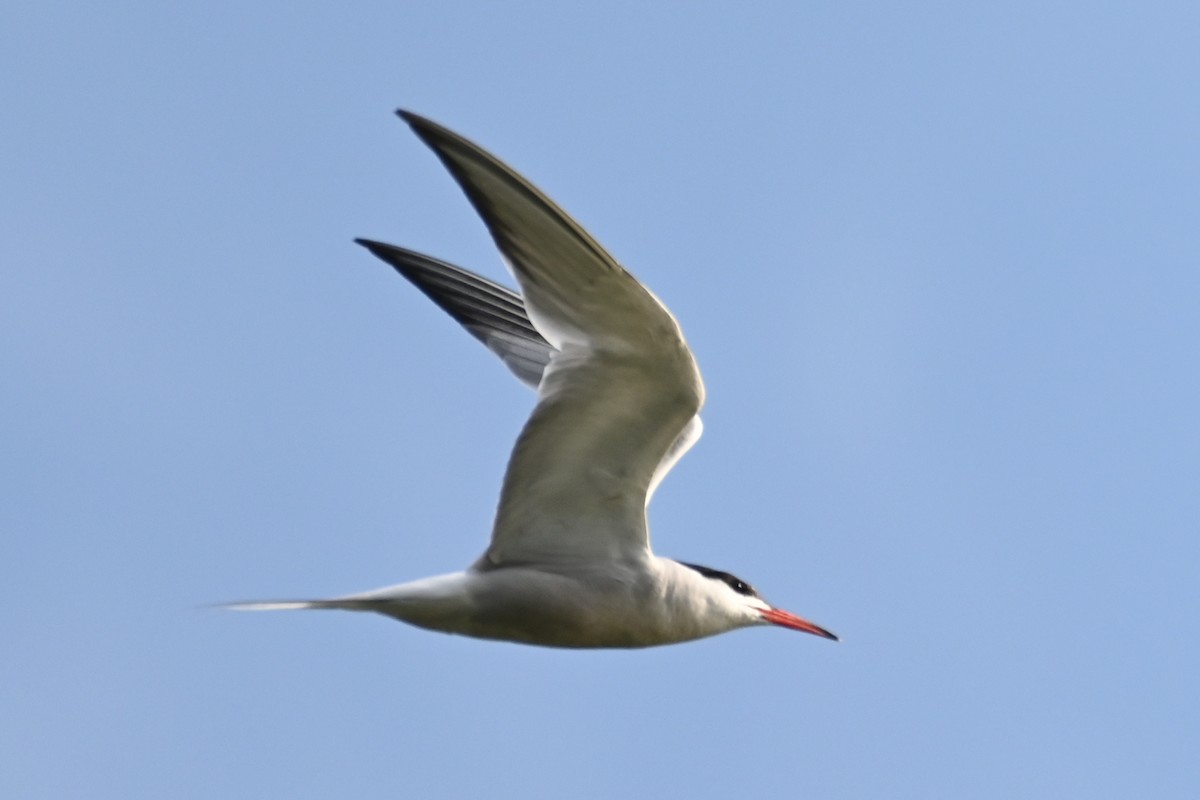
<point>395,257</point>
<point>418,123</point>
<point>439,138</point>
<point>391,255</point>
<point>376,249</point>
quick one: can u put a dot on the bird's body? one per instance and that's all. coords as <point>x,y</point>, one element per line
<point>636,604</point>
<point>569,564</point>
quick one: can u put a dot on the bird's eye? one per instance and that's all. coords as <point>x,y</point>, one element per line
<point>733,582</point>
<point>740,586</point>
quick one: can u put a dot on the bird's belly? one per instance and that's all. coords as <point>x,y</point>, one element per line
<point>562,627</point>
<point>534,607</point>
<point>624,607</point>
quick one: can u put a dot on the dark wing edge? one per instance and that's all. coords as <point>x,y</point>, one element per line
<point>494,314</point>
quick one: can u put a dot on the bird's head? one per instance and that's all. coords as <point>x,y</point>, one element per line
<point>742,603</point>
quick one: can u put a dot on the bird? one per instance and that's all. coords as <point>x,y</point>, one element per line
<point>569,563</point>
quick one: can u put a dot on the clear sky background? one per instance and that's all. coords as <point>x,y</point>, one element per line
<point>940,264</point>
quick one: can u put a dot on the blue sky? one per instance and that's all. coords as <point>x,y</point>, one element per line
<point>939,264</point>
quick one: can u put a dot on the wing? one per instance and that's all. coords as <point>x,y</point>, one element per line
<point>493,314</point>
<point>617,399</point>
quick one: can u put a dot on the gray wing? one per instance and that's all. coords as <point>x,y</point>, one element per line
<point>617,399</point>
<point>493,314</point>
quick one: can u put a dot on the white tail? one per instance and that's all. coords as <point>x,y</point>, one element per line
<point>275,605</point>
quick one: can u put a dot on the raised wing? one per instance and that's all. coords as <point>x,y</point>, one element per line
<point>618,397</point>
<point>493,314</point>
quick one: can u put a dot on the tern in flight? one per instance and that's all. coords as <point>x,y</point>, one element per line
<point>569,563</point>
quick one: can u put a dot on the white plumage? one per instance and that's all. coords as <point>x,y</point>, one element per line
<point>619,392</point>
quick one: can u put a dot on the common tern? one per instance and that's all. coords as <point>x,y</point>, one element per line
<point>569,563</point>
